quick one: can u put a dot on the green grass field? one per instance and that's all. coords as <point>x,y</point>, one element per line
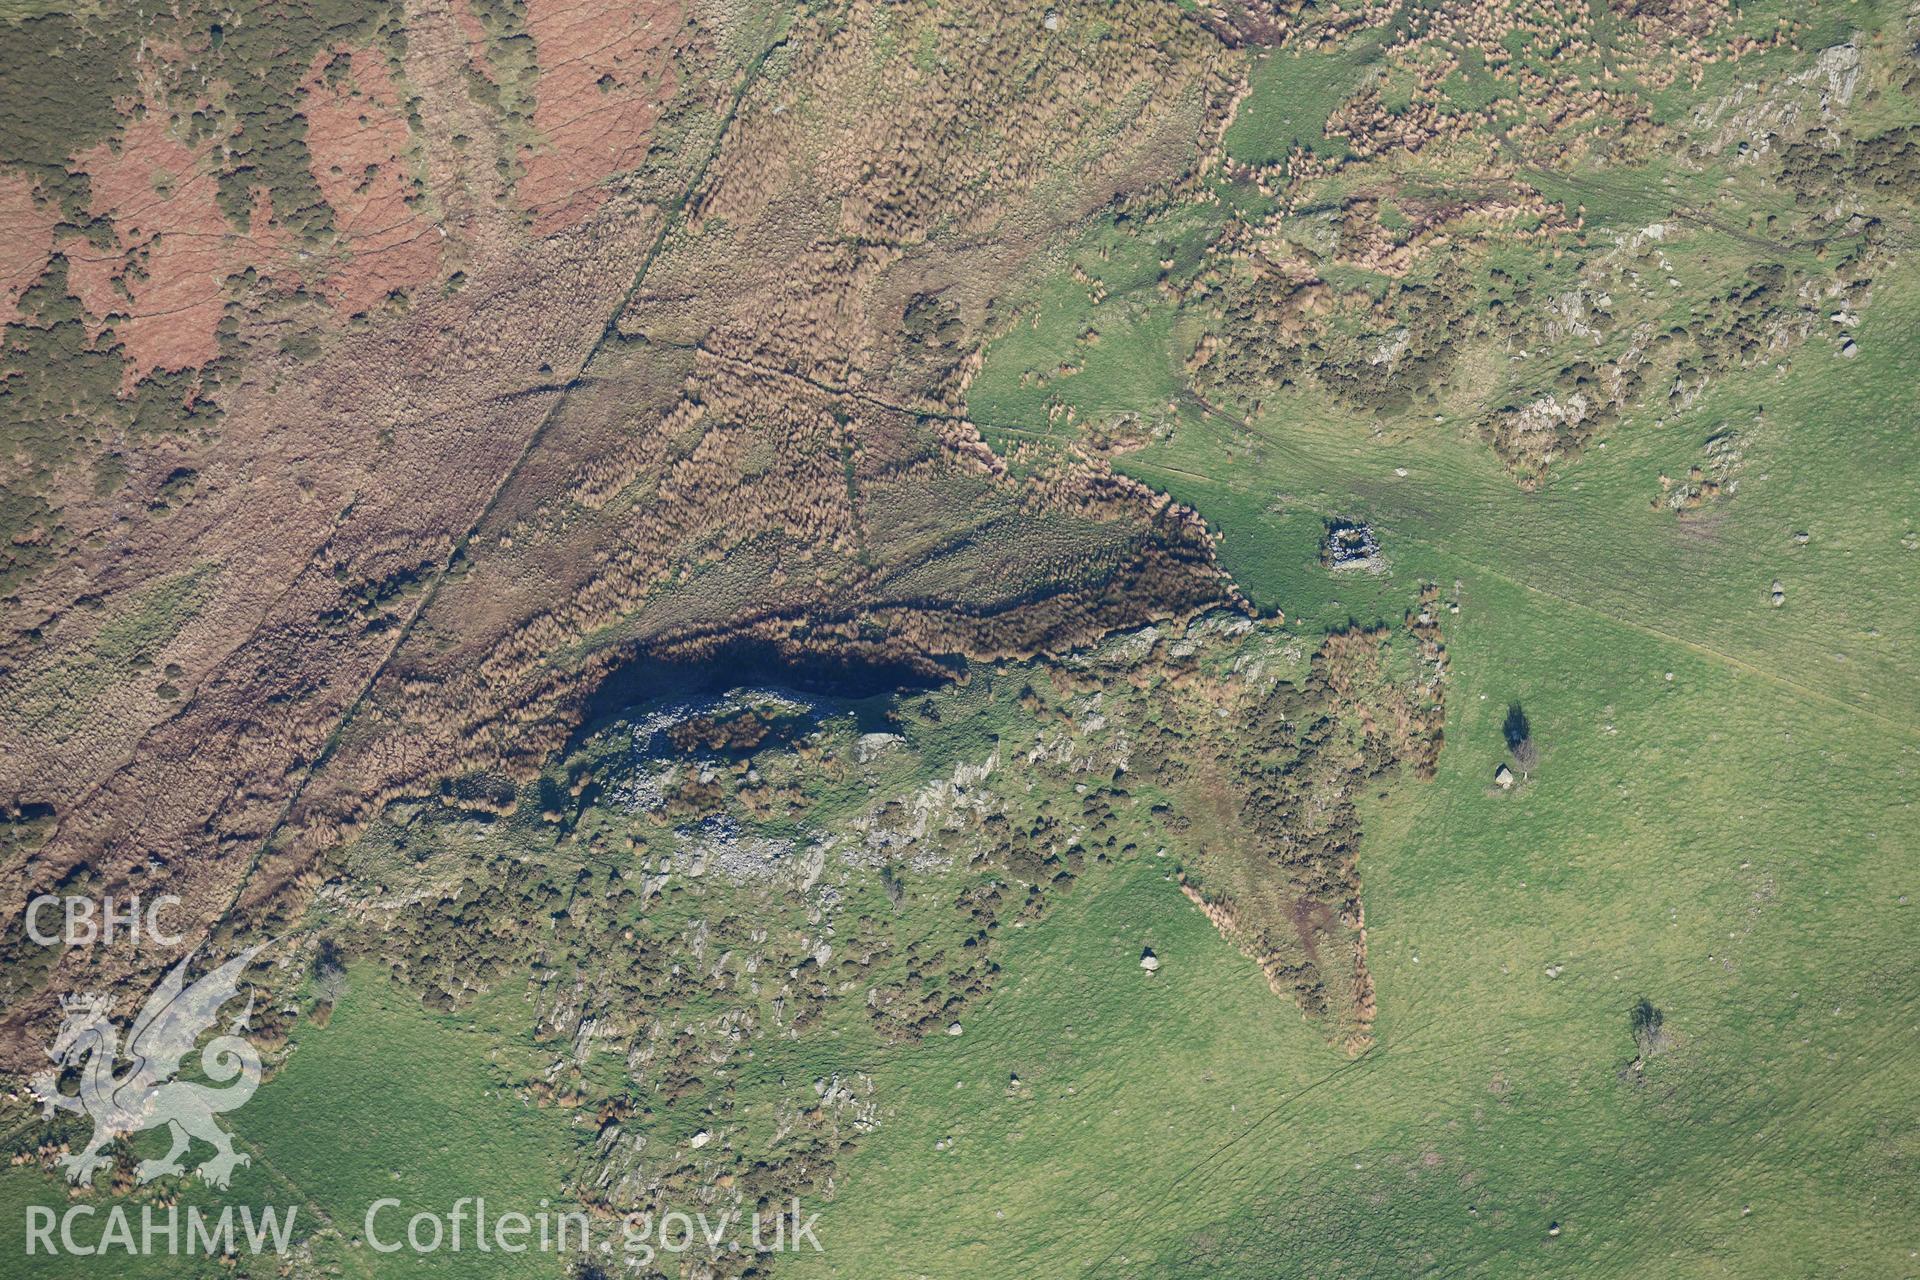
<point>1291,96</point>
<point>1694,857</point>
<point>1721,823</point>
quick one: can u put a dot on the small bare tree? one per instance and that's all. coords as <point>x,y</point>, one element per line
<point>329,972</point>
<point>1519,735</point>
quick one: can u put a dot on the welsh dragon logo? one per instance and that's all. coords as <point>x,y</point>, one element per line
<point>145,1094</point>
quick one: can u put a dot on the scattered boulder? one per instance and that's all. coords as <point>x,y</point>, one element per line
<point>1779,594</point>
<point>955,1029</point>
<point>1149,961</point>
<point>1503,778</point>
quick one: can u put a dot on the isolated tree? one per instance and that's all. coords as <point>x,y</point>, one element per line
<point>1645,1019</point>
<point>1519,735</point>
<point>1516,729</point>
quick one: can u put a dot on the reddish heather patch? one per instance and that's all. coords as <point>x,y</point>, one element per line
<point>358,139</point>
<point>26,240</point>
<point>605,68</point>
<point>161,285</point>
